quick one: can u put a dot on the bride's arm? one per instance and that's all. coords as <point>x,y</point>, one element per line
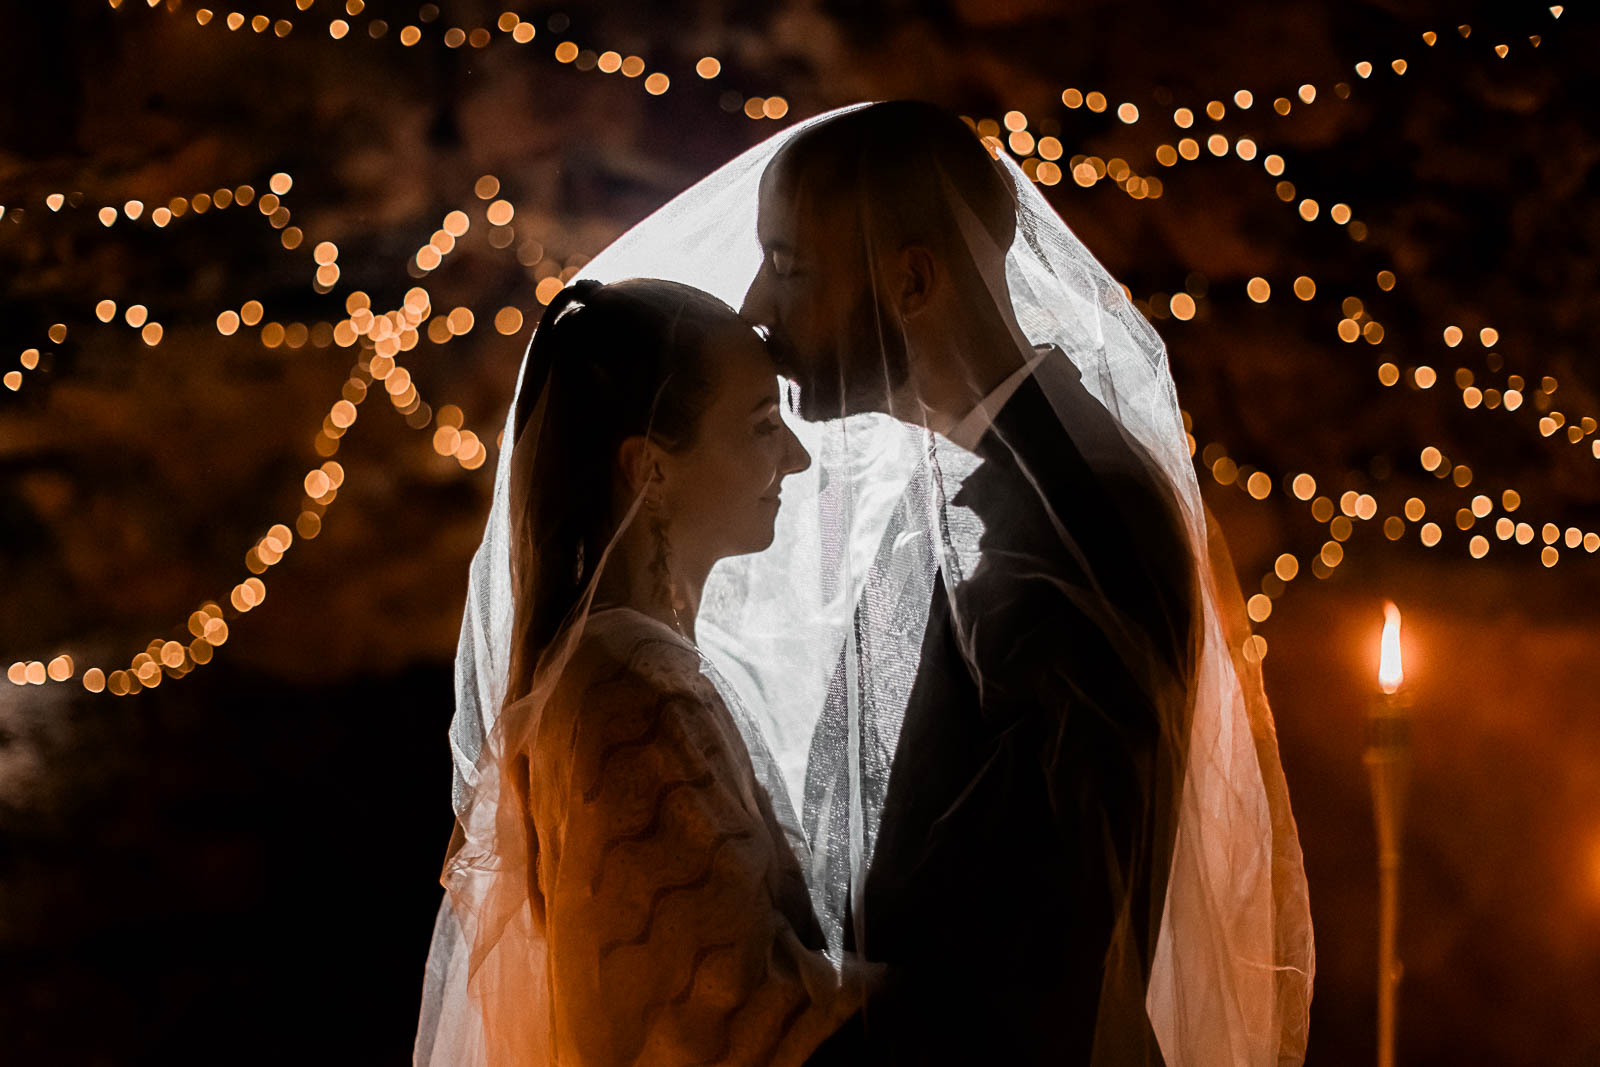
<point>667,943</point>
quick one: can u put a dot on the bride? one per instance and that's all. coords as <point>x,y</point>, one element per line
<point>629,889</point>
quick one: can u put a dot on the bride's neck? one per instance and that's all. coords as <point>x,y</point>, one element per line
<point>665,586</point>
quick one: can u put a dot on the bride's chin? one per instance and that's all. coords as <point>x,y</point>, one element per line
<point>762,542</point>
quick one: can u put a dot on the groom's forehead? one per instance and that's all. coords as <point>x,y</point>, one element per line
<point>797,203</point>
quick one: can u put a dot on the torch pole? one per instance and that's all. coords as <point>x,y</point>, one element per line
<point>1388,760</point>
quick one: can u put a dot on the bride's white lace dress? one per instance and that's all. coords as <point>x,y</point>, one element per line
<point>677,919</point>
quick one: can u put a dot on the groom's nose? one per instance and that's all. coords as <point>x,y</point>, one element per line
<point>757,306</point>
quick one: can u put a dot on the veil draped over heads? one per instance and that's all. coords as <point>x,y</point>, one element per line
<point>989,671</point>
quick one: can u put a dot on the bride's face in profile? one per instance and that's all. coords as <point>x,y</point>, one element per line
<point>722,491</point>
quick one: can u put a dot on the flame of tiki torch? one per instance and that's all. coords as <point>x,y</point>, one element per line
<point>1390,673</point>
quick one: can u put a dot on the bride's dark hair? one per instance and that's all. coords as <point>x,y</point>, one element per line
<point>607,362</point>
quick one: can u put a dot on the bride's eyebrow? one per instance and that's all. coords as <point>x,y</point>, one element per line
<point>768,401</point>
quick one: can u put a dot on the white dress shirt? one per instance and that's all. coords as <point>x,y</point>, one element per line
<point>970,430</point>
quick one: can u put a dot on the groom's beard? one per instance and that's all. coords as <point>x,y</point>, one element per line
<point>857,369</point>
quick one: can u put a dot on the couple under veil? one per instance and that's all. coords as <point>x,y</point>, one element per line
<point>855,677</point>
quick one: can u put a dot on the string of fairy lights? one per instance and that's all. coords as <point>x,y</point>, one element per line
<point>1045,168</point>
<point>1355,507</point>
<point>270,205</point>
<point>1358,324</point>
<point>513,27</point>
<point>509,26</point>
<point>383,336</point>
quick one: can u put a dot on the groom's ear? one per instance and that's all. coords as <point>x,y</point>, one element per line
<point>919,274</point>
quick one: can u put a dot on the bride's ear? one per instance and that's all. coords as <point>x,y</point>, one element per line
<point>639,464</point>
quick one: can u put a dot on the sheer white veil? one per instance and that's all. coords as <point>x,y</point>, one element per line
<point>822,635</point>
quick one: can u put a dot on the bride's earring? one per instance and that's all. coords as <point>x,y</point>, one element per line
<point>661,565</point>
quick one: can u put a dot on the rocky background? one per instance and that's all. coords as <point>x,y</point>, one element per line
<point>238,865</point>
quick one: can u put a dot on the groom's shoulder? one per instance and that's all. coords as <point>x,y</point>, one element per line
<point>1092,460</point>
<point>1071,502</point>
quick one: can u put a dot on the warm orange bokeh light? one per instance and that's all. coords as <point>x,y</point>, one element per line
<point>1390,672</point>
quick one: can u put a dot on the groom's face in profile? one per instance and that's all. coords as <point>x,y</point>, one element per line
<point>815,296</point>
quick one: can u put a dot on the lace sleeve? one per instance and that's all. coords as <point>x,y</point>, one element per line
<point>669,945</point>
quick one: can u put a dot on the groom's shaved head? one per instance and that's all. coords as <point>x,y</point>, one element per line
<point>843,204</point>
<point>901,168</point>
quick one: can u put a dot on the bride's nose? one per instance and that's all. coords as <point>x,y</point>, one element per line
<point>795,456</point>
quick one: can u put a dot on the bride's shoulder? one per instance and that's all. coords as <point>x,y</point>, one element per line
<point>623,646</point>
<point>626,668</point>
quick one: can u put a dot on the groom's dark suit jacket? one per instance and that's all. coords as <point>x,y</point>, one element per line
<point>1034,784</point>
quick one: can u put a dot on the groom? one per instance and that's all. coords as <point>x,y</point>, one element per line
<point>1019,871</point>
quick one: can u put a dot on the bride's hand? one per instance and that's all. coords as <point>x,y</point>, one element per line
<point>861,979</point>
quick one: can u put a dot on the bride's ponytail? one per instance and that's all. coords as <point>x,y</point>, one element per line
<point>542,350</point>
